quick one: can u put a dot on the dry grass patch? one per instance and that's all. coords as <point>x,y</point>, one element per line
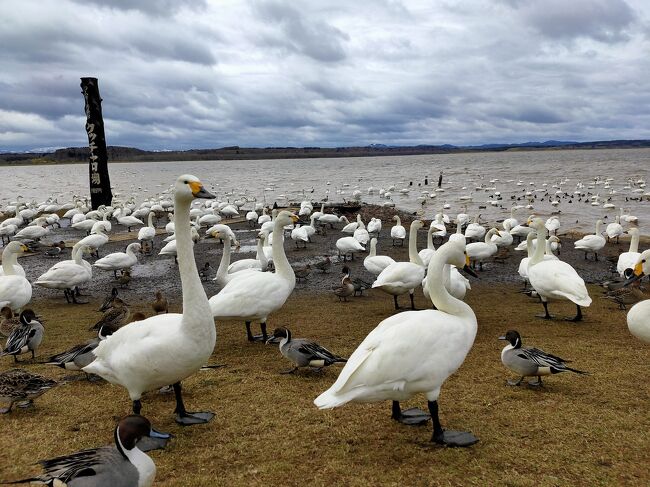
<point>578,430</point>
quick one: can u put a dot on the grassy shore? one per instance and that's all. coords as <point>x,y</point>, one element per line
<point>577,430</point>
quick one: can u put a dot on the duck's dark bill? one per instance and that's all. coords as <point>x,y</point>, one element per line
<point>469,270</point>
<point>204,193</point>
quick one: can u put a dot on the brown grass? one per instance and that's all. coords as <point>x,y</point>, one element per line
<point>578,430</point>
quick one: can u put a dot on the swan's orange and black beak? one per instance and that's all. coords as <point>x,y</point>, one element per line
<point>636,274</point>
<point>468,269</point>
<point>198,191</point>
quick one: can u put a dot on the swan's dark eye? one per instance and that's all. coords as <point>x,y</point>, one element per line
<point>186,182</point>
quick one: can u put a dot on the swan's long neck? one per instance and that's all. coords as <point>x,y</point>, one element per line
<point>540,248</point>
<point>430,239</point>
<point>9,259</point>
<point>413,246</point>
<point>150,220</point>
<point>529,243</point>
<point>222,270</point>
<point>282,266</point>
<point>598,227</point>
<point>442,300</point>
<point>399,221</point>
<point>261,256</point>
<point>195,302</point>
<point>634,243</point>
<point>373,248</point>
<point>548,249</point>
<point>488,237</point>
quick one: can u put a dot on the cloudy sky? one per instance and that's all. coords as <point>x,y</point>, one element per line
<point>181,74</point>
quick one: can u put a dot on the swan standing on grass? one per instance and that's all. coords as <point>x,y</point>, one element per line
<point>554,279</point>
<point>256,295</point>
<point>403,277</point>
<point>165,349</point>
<point>412,352</point>
<point>15,290</point>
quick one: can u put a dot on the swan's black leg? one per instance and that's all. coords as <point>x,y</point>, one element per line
<point>395,300</point>
<point>578,316</point>
<point>546,315</point>
<point>412,301</point>
<point>249,335</point>
<point>411,417</point>
<point>185,418</point>
<point>448,437</point>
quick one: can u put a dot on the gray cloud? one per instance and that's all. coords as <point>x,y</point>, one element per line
<point>279,72</point>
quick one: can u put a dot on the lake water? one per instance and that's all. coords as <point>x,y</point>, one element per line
<point>613,175</point>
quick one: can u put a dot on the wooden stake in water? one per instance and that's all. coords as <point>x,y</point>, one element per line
<point>100,184</point>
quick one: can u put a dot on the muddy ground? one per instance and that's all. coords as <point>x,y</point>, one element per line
<point>160,273</point>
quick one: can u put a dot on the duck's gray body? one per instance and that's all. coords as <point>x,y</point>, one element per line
<point>120,465</point>
<point>305,353</point>
<point>25,338</point>
<point>97,467</point>
<point>77,357</point>
<point>528,362</point>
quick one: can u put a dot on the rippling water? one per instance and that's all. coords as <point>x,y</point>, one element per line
<point>611,174</point>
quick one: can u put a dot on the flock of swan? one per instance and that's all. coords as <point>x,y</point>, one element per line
<point>411,352</point>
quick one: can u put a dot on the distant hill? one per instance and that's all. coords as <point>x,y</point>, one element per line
<point>131,154</point>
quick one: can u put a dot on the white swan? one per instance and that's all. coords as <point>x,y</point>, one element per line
<point>638,318</point>
<point>412,352</point>
<point>475,230</point>
<point>376,263</point>
<point>351,227</point>
<point>512,221</point>
<point>10,259</point>
<point>15,290</point>
<point>258,294</point>
<point>403,277</point>
<point>118,261</point>
<point>147,234</point>
<point>480,251</point>
<point>374,226</point>
<point>629,259</point>
<point>397,231</point>
<point>259,262</point>
<point>224,233</point>
<point>504,238</point>
<point>68,275</point>
<point>97,237</point>
<point>165,349</point>
<point>614,230</point>
<point>426,254</point>
<point>591,243</point>
<point>348,245</point>
<point>548,255</point>
<point>361,234</point>
<point>554,279</point>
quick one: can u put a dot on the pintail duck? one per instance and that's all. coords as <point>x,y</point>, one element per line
<point>122,464</point>
<point>19,385</point>
<point>25,338</point>
<point>528,362</point>
<point>304,353</point>
<point>80,355</point>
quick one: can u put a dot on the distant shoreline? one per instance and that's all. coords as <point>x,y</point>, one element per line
<point>79,155</point>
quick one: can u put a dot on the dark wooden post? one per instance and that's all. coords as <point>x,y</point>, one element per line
<point>100,184</point>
